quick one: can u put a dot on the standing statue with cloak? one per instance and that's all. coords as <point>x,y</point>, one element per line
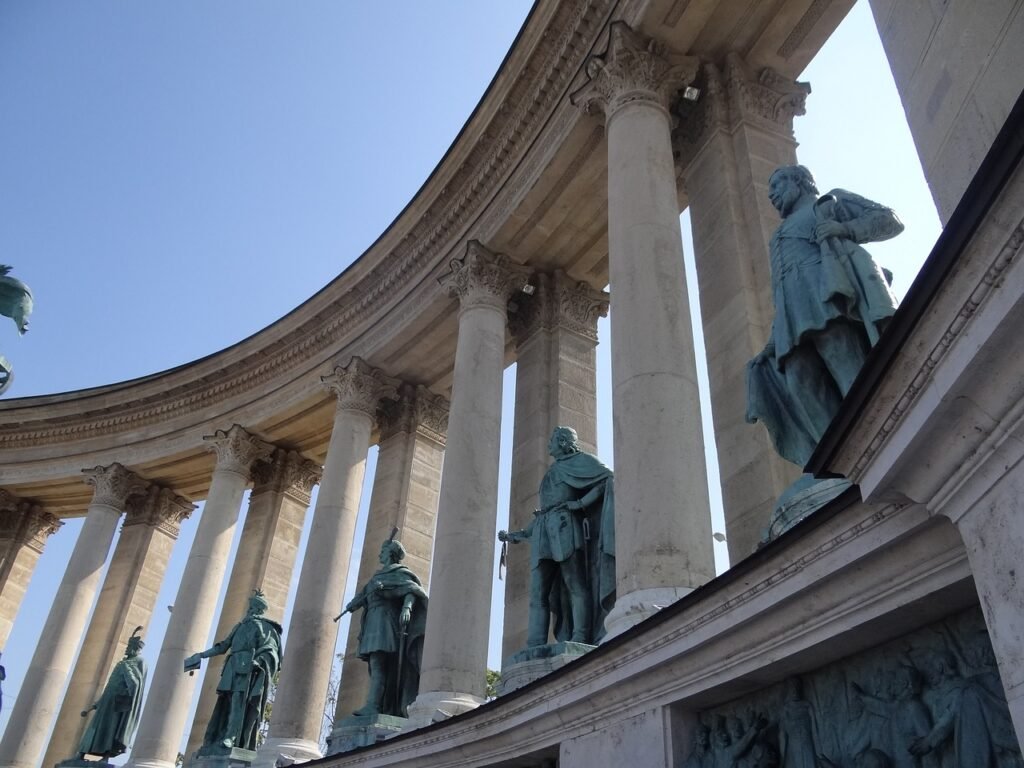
<point>254,657</point>
<point>118,709</point>
<point>391,634</point>
<point>572,546</point>
<point>832,301</point>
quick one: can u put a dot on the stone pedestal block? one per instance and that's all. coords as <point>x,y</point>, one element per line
<point>213,756</point>
<point>528,665</point>
<point>353,732</point>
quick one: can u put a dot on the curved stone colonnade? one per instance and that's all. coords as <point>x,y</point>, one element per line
<point>566,177</point>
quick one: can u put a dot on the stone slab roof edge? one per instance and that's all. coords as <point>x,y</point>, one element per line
<point>1003,158</point>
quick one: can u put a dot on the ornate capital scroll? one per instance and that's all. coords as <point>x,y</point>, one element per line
<point>236,449</point>
<point>160,508</point>
<point>287,472</point>
<point>734,93</point>
<point>24,522</point>
<point>633,68</point>
<point>558,302</point>
<point>113,485</point>
<point>360,387</point>
<point>416,410</point>
<point>484,278</point>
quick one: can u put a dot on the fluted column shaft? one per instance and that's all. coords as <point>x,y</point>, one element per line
<point>405,494</point>
<point>454,667</point>
<point>662,513</point>
<point>265,559</point>
<point>312,635</point>
<point>126,601</point>
<point>39,698</point>
<point>165,714</point>
<point>24,529</point>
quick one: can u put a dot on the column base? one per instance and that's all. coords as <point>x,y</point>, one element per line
<point>629,610</point>
<point>292,750</point>
<point>435,706</point>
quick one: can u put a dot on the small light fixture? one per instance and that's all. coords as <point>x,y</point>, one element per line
<point>528,289</point>
<point>690,93</point>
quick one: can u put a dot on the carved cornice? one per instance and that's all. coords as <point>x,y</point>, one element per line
<point>498,148</point>
<point>482,278</point>
<point>25,523</point>
<point>558,302</point>
<point>160,508</point>
<point>287,472</point>
<point>732,94</point>
<point>633,68</point>
<point>237,450</point>
<point>360,387</point>
<point>416,410</point>
<point>113,485</point>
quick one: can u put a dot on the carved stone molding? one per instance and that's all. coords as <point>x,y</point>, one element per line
<point>416,410</point>
<point>287,472</point>
<point>113,485</point>
<point>236,449</point>
<point>160,508</point>
<point>24,522</point>
<point>360,387</point>
<point>558,302</point>
<point>733,93</point>
<point>633,68</point>
<point>483,278</point>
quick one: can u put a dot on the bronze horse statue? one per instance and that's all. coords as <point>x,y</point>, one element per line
<point>15,303</point>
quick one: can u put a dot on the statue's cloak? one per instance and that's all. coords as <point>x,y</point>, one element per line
<point>117,712</point>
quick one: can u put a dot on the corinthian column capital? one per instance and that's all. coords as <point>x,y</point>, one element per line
<point>360,387</point>
<point>416,410</point>
<point>160,508</point>
<point>633,68</point>
<point>484,278</point>
<point>236,449</point>
<point>559,302</point>
<point>287,472</point>
<point>113,485</point>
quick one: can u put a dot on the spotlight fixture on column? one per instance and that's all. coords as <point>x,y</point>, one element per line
<point>690,93</point>
<point>528,289</point>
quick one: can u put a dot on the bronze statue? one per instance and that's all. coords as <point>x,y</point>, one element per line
<point>15,303</point>
<point>572,546</point>
<point>391,634</point>
<point>254,658</point>
<point>118,709</point>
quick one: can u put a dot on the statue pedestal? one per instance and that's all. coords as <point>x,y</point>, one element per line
<point>74,762</point>
<point>530,664</point>
<point>213,756</point>
<point>805,496</point>
<point>362,731</point>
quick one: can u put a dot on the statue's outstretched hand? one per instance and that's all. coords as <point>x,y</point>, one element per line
<point>405,616</point>
<point>503,536</point>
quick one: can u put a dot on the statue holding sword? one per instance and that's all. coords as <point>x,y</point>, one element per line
<point>572,546</point>
<point>391,635</point>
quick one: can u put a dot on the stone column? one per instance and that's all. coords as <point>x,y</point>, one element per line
<point>555,333</point>
<point>454,669</point>
<point>405,494</point>
<point>662,513</point>
<point>265,559</point>
<point>312,635</point>
<point>126,601</point>
<point>729,142</point>
<point>165,714</point>
<point>32,717</point>
<point>24,529</point>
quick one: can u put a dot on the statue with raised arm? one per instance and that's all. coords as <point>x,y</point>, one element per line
<point>15,303</point>
<point>831,303</point>
<point>254,657</point>
<point>391,634</point>
<point>572,546</point>
<point>118,708</point>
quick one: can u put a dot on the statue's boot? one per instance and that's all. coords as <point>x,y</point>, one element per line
<point>372,705</point>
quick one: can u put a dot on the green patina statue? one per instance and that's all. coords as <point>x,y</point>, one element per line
<point>117,711</point>
<point>572,546</point>
<point>254,657</point>
<point>831,303</point>
<point>391,635</point>
<point>15,303</point>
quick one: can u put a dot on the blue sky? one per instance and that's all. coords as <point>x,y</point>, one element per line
<point>176,176</point>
